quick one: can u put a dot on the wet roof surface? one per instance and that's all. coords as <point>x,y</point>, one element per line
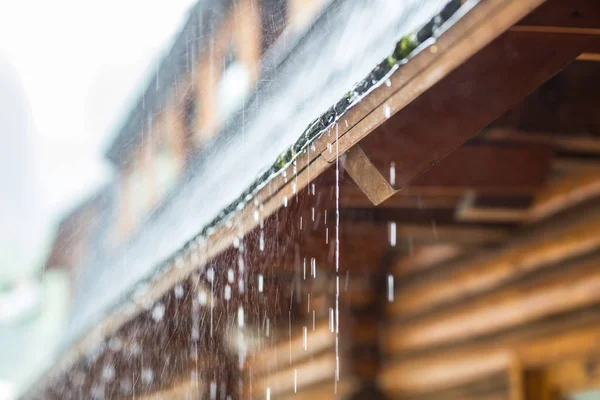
<point>340,49</point>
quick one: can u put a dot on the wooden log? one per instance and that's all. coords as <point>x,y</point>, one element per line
<point>537,249</point>
<point>534,346</point>
<point>575,287</point>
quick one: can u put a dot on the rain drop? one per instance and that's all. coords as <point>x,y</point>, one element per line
<point>386,111</point>
<point>240,317</point>
<point>158,312</point>
<point>178,291</point>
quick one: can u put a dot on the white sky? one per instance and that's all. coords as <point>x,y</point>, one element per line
<point>81,63</point>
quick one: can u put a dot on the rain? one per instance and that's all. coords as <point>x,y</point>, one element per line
<point>322,199</point>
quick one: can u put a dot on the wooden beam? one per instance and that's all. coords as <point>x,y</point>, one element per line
<point>425,141</point>
<point>565,143</point>
<point>567,30</point>
<point>439,373</point>
<point>565,192</point>
<point>297,376</point>
<point>542,247</point>
<point>272,358</point>
<point>559,13</point>
<point>574,375</point>
<point>424,257</point>
<point>366,176</point>
<point>557,293</point>
<point>495,386</point>
<point>484,168</point>
<point>532,347</point>
<point>589,57</point>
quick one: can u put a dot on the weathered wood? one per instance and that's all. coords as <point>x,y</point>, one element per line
<point>318,370</point>
<point>366,176</point>
<point>572,13</point>
<point>567,143</point>
<point>424,141</point>
<point>423,257</point>
<point>494,386</point>
<point>542,247</point>
<point>571,289</point>
<point>578,374</point>
<point>271,359</point>
<point>565,192</point>
<point>489,169</point>
<point>533,346</point>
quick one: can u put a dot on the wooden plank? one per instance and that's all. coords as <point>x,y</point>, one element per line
<point>292,351</point>
<point>430,375</point>
<point>540,248</point>
<point>533,347</point>
<point>566,143</point>
<point>423,257</point>
<point>560,13</point>
<point>424,141</point>
<point>575,375</point>
<point>564,193</point>
<point>589,57</point>
<point>567,291</point>
<point>494,386</point>
<point>324,391</point>
<point>484,168</point>
<point>537,386</point>
<point>556,30</point>
<point>298,376</point>
<point>366,176</point>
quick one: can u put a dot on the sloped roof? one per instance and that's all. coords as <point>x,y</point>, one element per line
<point>298,95</point>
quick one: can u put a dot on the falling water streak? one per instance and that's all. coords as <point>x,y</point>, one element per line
<point>210,276</point>
<point>314,321</point>
<point>295,380</point>
<point>261,241</point>
<point>308,302</point>
<point>290,333</point>
<point>268,394</point>
<point>331,319</point>
<point>268,327</point>
<point>326,235</point>
<point>240,316</point>
<point>304,266</point>
<point>386,110</point>
<point>213,390</point>
<point>313,267</point>
<point>393,234</point>
<point>392,173</point>
<point>305,337</point>
<point>337,254</point>
<point>390,288</point>
<point>260,283</point>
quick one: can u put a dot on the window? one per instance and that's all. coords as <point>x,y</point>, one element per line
<point>273,14</point>
<point>233,86</point>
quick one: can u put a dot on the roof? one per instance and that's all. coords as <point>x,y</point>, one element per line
<point>298,92</point>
